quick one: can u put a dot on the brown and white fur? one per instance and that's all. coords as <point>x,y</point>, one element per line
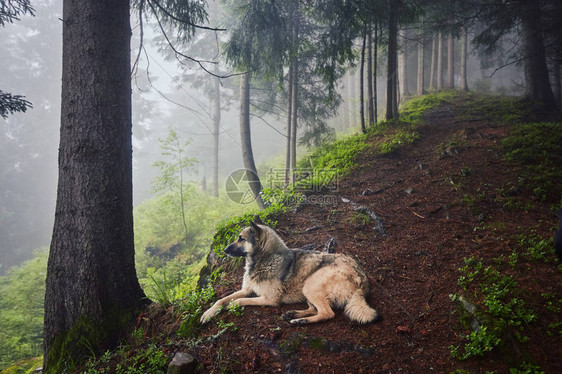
<point>275,274</point>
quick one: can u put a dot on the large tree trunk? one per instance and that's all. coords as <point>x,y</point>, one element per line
<point>464,58</point>
<point>246,140</point>
<point>420,91</point>
<point>537,84</point>
<point>216,133</point>
<point>403,69</point>
<point>450,62</point>
<point>439,61</point>
<point>92,289</point>
<point>433,58</point>
<point>392,74</point>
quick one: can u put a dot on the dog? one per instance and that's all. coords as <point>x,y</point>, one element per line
<point>275,275</point>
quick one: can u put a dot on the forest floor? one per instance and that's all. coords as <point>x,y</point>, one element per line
<point>447,197</point>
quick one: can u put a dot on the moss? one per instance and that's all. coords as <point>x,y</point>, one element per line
<point>86,338</point>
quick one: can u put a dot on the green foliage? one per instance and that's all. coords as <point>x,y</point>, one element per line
<point>171,170</point>
<point>22,293</point>
<point>148,360</point>
<point>502,310</point>
<point>191,310</point>
<point>397,140</point>
<point>537,147</point>
<point>414,111</point>
<point>537,248</point>
<point>28,366</point>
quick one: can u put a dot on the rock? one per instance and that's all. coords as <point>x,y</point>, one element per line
<point>409,190</point>
<point>182,363</point>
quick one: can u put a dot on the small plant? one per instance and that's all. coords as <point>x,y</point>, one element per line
<point>236,309</point>
<point>502,311</point>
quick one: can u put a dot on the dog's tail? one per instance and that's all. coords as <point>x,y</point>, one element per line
<point>358,310</point>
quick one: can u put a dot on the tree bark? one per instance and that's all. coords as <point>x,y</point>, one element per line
<point>375,58</point>
<point>295,106</point>
<point>420,91</point>
<point>403,69</point>
<point>440,61</point>
<point>246,140</point>
<point>370,106</point>
<point>537,84</point>
<point>450,62</point>
<point>557,87</point>
<point>392,74</point>
<point>92,291</point>
<point>362,84</point>
<point>289,124</point>
<point>433,58</point>
<point>464,58</point>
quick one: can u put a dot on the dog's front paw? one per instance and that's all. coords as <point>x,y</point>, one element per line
<point>288,316</point>
<point>299,321</point>
<point>206,317</point>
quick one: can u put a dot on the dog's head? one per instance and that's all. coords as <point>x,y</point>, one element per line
<point>246,243</point>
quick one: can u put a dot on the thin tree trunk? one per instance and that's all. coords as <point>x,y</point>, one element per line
<point>440,61</point>
<point>464,58</point>
<point>246,140</point>
<point>392,74</point>
<point>537,84</point>
<point>181,191</point>
<point>92,291</point>
<point>216,133</point>
<point>403,69</point>
<point>420,91</point>
<point>433,58</point>
<point>450,62</point>
<point>370,106</point>
<point>362,83</point>
<point>375,58</point>
<point>295,106</point>
<point>289,124</point>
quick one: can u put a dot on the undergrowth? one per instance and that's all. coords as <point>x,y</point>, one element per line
<point>537,146</point>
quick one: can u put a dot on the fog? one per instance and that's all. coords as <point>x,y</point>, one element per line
<point>31,66</point>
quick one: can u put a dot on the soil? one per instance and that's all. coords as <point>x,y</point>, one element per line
<point>441,199</point>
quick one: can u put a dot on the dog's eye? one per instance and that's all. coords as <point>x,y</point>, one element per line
<point>241,239</point>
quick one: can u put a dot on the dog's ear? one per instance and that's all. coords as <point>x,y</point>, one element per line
<point>256,228</point>
<point>258,220</point>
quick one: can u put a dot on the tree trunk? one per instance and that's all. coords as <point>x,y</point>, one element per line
<point>375,58</point>
<point>216,133</point>
<point>537,84</point>
<point>362,83</point>
<point>246,141</point>
<point>440,61</point>
<point>92,291</point>
<point>403,69</point>
<point>391,87</point>
<point>433,58</point>
<point>450,62</point>
<point>295,106</point>
<point>557,87</point>
<point>370,106</point>
<point>420,91</point>
<point>289,124</point>
<point>464,58</point>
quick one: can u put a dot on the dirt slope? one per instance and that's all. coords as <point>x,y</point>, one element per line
<point>440,203</point>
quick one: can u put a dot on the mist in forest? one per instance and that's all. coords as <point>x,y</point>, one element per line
<point>167,95</point>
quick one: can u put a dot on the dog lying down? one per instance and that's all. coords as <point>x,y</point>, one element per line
<point>279,275</point>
